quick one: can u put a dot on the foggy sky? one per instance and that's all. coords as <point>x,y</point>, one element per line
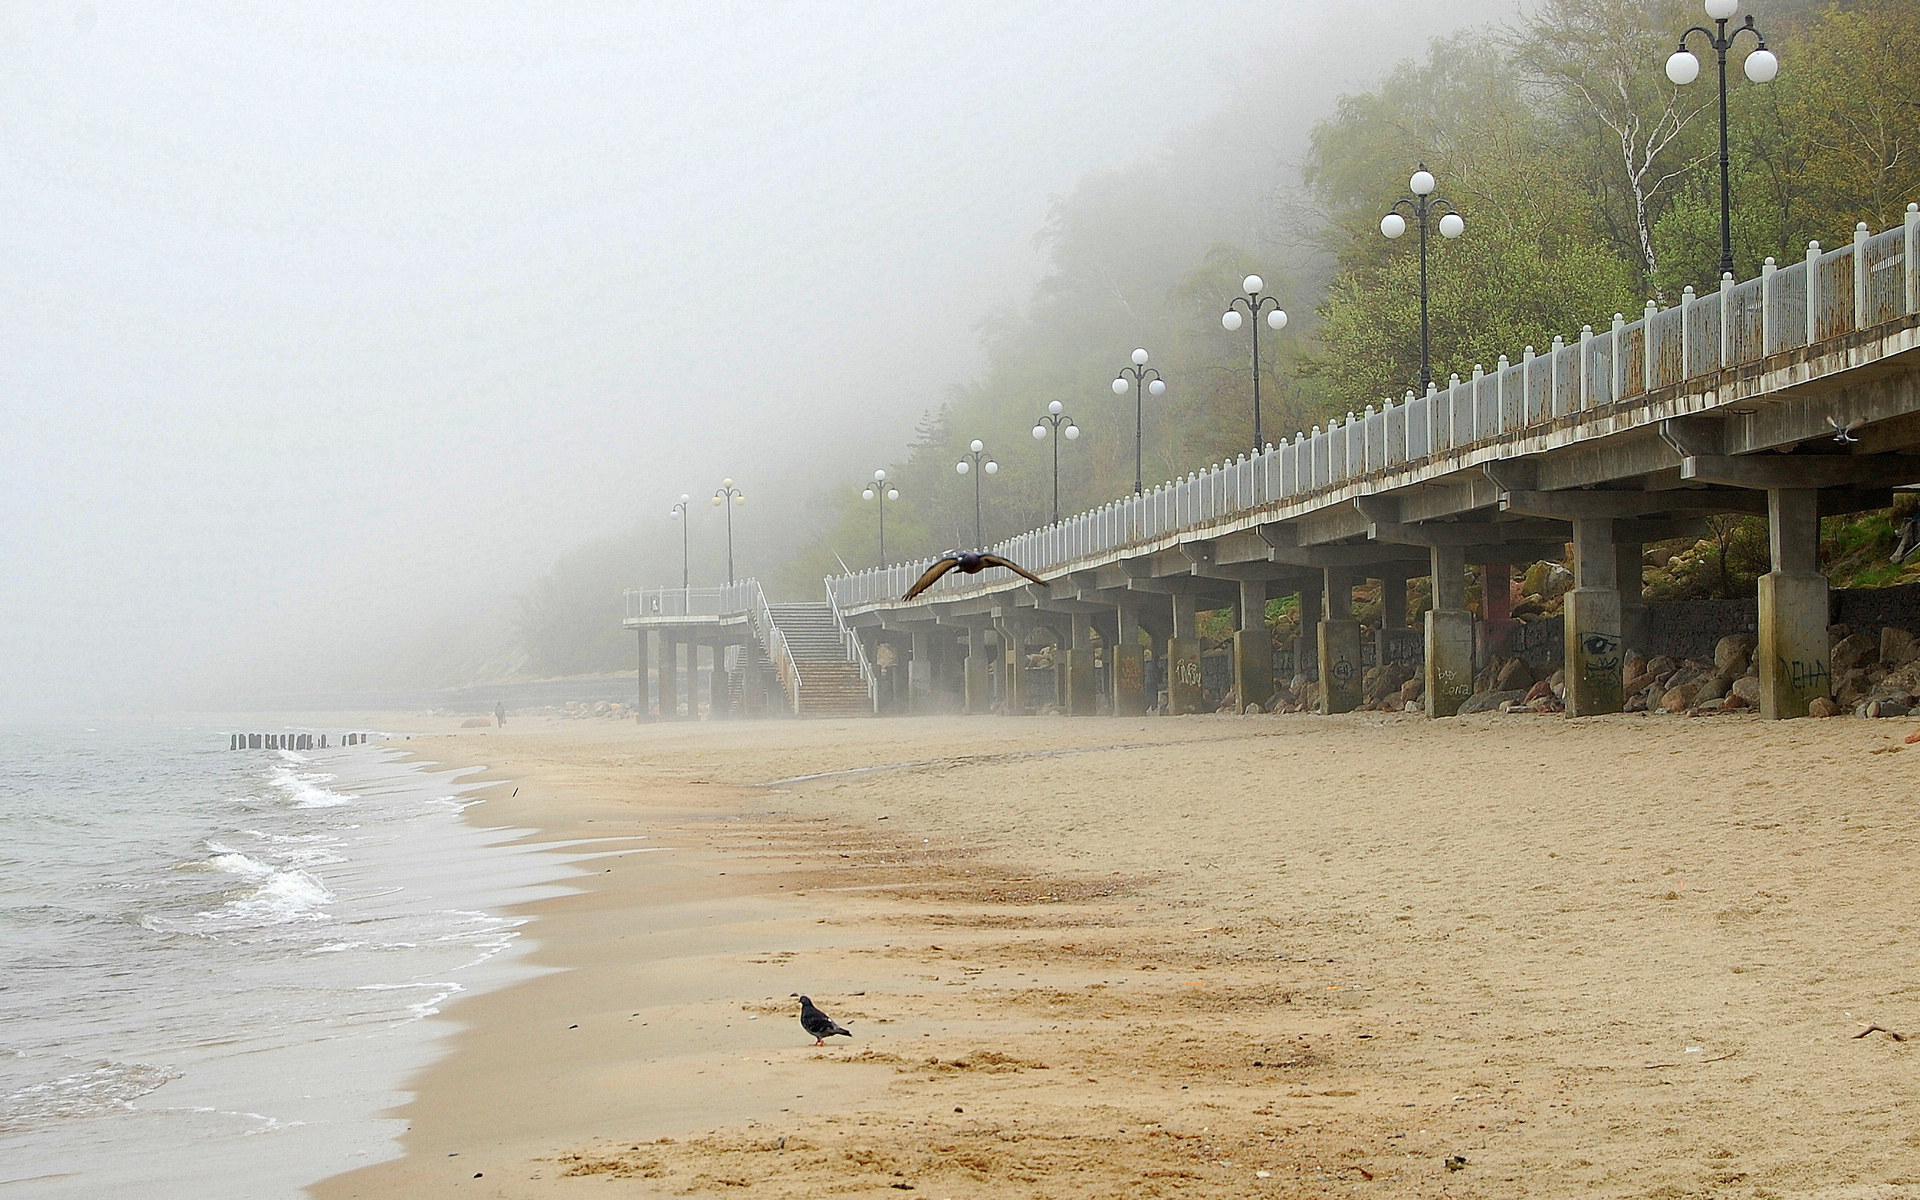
<point>323,325</point>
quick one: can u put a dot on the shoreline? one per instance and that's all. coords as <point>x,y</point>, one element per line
<point>1163,957</point>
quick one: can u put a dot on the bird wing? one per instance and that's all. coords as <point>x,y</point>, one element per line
<point>994,560</point>
<point>932,575</point>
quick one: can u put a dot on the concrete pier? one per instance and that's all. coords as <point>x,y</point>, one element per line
<point>1793,608</point>
<point>1340,675</point>
<point>978,689</point>
<point>669,678</point>
<point>1594,653</point>
<point>1253,646</point>
<point>1077,694</point>
<point>1449,666</point>
<point>1127,666</point>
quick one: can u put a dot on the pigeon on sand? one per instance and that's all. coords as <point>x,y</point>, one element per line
<point>817,1023</point>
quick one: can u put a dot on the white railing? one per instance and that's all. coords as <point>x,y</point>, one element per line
<point>1872,280</point>
<point>743,599</point>
<point>856,652</point>
<point>760,617</point>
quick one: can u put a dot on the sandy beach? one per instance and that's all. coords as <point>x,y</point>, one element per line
<point>1217,956</point>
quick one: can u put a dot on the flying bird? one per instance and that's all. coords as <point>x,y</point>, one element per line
<point>1844,433</point>
<point>817,1023</point>
<point>967,564</point>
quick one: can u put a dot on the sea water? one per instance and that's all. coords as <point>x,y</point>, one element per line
<point>218,968</point>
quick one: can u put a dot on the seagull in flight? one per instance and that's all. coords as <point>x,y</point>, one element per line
<point>967,563</point>
<point>1844,433</point>
<point>817,1023</point>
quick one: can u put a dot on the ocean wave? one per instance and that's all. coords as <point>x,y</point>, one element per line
<point>306,791</point>
<point>284,896</point>
<point>97,1088</point>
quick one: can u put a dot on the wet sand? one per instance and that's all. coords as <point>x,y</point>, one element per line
<point>1215,956</point>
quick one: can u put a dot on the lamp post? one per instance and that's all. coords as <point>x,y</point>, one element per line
<point>976,462</point>
<point>1056,417</point>
<point>720,498</point>
<point>1254,303</point>
<point>679,513</point>
<point>882,491</point>
<point>1422,205</point>
<point>1145,379</point>
<point>1761,66</point>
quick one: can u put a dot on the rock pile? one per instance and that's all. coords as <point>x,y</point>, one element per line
<point>1873,676</point>
<point>611,709</point>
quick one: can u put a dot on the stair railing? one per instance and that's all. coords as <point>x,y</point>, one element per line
<point>856,652</point>
<point>760,616</point>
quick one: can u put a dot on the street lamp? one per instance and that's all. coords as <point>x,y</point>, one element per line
<point>1422,205</point>
<point>881,491</point>
<point>679,513</point>
<point>1055,417</point>
<point>1761,66</point>
<point>728,492</point>
<point>1254,303</point>
<point>1144,378</point>
<point>975,460</point>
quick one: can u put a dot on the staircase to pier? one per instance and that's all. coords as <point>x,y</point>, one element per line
<point>830,684</point>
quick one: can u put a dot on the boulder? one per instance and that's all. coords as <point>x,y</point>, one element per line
<point>1898,647</point>
<point>1515,676</point>
<point>1661,665</point>
<point>1851,687</point>
<point>1823,707</point>
<point>1884,707</point>
<point>1413,688</point>
<point>1635,663</point>
<point>1715,686</point>
<point>1635,703</point>
<point>1733,653</point>
<point>1636,683</point>
<point>1681,698</point>
<point>1539,691</point>
<point>1489,701</point>
<point>1853,652</point>
<point>1386,682</point>
<point>1735,700</point>
<point>1747,688</point>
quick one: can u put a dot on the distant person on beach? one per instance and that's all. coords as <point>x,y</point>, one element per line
<point>499,714</point>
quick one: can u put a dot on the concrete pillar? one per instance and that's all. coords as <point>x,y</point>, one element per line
<point>1593,651</point>
<point>1186,616</point>
<point>1793,608</point>
<point>1077,692</point>
<point>717,682</point>
<point>1013,691</point>
<point>1393,616</point>
<point>920,672</point>
<point>1126,666</point>
<point>645,712</point>
<point>1449,667</point>
<point>669,676</point>
<point>1496,610</point>
<point>1306,644</point>
<point>978,690</point>
<point>1630,576</point>
<point>1253,646</point>
<point>1340,675</point>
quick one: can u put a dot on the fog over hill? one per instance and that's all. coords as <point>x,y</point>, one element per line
<point>328,331</point>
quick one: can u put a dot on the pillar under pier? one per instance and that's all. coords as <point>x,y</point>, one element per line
<point>1253,647</point>
<point>1340,680</point>
<point>1593,650</point>
<point>1183,658</point>
<point>1127,666</point>
<point>669,677</point>
<point>978,678</point>
<point>1793,608</point>
<point>1078,694</point>
<point>1449,666</point>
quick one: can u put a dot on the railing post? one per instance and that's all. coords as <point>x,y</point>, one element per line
<point>1860,275</point>
<point>1726,319</point>
<point>1556,365</point>
<point>1912,224</point>
<point>1647,353</point>
<point>1526,384</point>
<point>1500,394</point>
<point>1686,331</point>
<point>1767,269</point>
<point>1585,355</point>
<point>1813,292</point>
<point>1614,377</point>
<point>1479,384</point>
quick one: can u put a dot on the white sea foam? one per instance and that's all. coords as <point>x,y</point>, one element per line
<point>92,1088</point>
<point>306,791</point>
<point>284,896</point>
